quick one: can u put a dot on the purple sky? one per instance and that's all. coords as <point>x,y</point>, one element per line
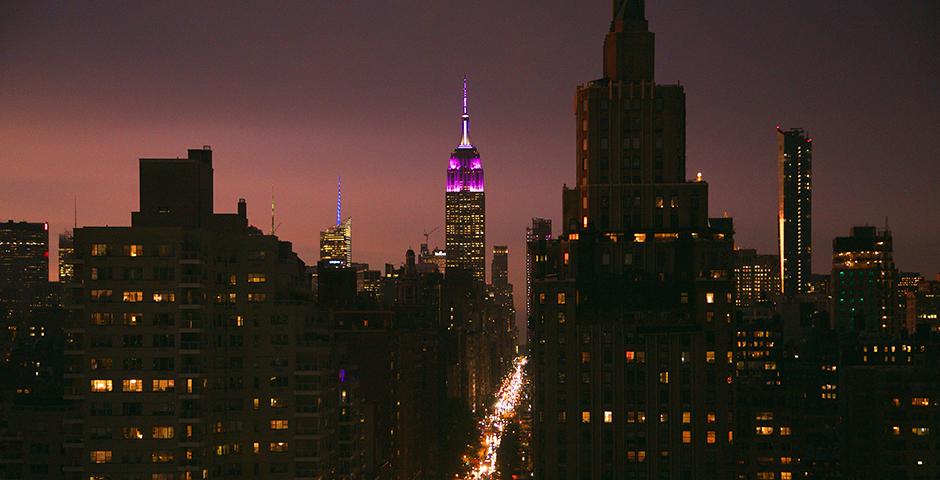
<point>295,95</point>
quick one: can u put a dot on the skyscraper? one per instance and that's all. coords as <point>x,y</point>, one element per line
<point>66,252</point>
<point>540,230</point>
<point>500,271</point>
<point>465,207</point>
<point>24,275</point>
<point>336,241</point>
<point>630,332</point>
<point>794,210</point>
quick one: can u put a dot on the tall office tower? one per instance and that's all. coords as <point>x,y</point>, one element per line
<point>336,241</point>
<point>66,251</point>
<point>24,275</point>
<point>756,281</point>
<point>193,350</point>
<point>864,282</point>
<point>464,207</point>
<point>631,335</point>
<point>500,267</point>
<point>794,210</point>
<point>539,231</point>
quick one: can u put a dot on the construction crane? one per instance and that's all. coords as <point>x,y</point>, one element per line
<point>427,234</point>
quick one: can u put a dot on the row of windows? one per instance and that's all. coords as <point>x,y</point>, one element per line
<point>135,384</point>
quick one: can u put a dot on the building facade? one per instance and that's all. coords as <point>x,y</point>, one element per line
<point>539,231</point>
<point>794,209</point>
<point>24,276</point>
<point>193,348</point>
<point>756,278</point>
<point>864,286</point>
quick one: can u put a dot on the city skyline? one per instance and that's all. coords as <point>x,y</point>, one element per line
<point>291,136</point>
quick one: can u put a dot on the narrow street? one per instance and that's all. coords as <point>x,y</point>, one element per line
<point>482,462</point>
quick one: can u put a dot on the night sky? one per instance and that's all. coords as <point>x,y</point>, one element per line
<point>295,94</point>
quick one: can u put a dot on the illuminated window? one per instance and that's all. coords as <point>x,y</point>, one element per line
<point>641,416</point>
<point>163,432</point>
<point>585,417</point>
<point>257,297</point>
<point>255,447</point>
<point>160,297</point>
<point>660,203</point>
<point>132,433</point>
<point>277,402</point>
<point>163,385</point>
<point>631,456</point>
<point>639,237</point>
<point>764,430</point>
<point>630,356</point>
<point>100,456</point>
<point>641,456</point>
<point>710,357</point>
<point>896,430</point>
<point>278,446</point>
<point>134,250</point>
<point>710,417</point>
<point>257,278</point>
<point>784,431</point>
<point>786,476</point>
<point>920,401</point>
<point>99,249</point>
<point>895,402</point>
<point>101,318</point>
<point>562,416</point>
<point>256,403</point>
<point>133,319</point>
<point>686,417</point>
<point>663,417</point>
<point>786,460</point>
<point>663,377</point>
<point>133,296</point>
<point>920,431</point>
<point>710,437</point>
<point>585,357</point>
<point>709,297</point>
<point>561,298</point>
<point>764,416</point>
<point>278,424</point>
<point>608,417</point>
<point>161,456</point>
<point>542,298</point>
<point>766,476</point>
<point>100,385</point>
<point>686,436</point>
<point>132,385</point>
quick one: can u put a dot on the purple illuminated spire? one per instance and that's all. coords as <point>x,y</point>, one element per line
<point>465,170</point>
<point>465,120</point>
<point>339,200</point>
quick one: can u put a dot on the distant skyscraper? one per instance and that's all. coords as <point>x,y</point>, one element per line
<point>794,209</point>
<point>24,274</point>
<point>66,251</point>
<point>864,282</point>
<point>336,241</point>
<point>465,208</point>
<point>541,229</point>
<point>756,278</point>
<point>500,271</point>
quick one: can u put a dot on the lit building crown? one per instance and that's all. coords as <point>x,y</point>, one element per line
<point>465,170</point>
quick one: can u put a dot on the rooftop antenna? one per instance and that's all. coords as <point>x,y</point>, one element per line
<point>273,227</point>
<point>339,200</point>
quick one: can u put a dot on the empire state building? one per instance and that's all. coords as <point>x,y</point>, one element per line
<point>465,207</point>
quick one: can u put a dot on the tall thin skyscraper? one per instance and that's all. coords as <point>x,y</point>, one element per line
<point>794,209</point>
<point>465,207</point>
<point>336,241</point>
